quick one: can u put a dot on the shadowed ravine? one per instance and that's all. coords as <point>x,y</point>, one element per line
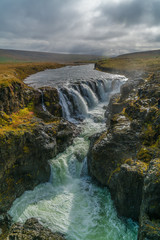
<point>72,203</point>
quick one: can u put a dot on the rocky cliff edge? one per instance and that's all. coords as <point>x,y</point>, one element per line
<point>125,157</point>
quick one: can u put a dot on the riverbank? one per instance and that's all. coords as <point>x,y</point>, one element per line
<point>126,157</point>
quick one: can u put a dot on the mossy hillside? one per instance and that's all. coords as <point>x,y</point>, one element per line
<point>145,109</point>
<point>16,122</point>
<point>14,94</point>
<point>128,64</point>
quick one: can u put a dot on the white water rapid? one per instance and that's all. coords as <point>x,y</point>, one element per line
<point>71,202</point>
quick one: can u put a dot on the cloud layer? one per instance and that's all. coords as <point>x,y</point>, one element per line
<point>101,27</point>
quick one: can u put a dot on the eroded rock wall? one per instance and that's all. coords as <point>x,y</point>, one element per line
<point>121,157</point>
<point>29,137</point>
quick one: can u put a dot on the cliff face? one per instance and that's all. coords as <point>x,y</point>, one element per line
<point>125,157</point>
<point>32,229</point>
<point>24,156</point>
<point>29,137</point>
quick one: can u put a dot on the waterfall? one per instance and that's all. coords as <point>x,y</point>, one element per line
<point>43,105</point>
<point>73,103</point>
<point>42,100</point>
<point>89,95</point>
<point>81,106</point>
<point>101,90</point>
<point>77,99</point>
<point>64,104</point>
<point>71,202</point>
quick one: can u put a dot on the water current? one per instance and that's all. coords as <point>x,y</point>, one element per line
<point>71,202</point>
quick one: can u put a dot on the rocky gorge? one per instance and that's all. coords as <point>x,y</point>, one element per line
<point>124,157</point>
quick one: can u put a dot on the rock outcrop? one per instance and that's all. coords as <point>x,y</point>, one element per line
<point>31,230</point>
<point>121,157</point>
<point>150,208</point>
<point>24,156</point>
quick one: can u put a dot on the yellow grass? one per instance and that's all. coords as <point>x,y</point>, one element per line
<point>149,63</point>
<point>16,121</point>
<point>16,72</point>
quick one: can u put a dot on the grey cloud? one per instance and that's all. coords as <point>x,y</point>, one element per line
<point>97,35</point>
<point>64,26</point>
<point>155,10</point>
<point>87,49</point>
<point>36,18</point>
<point>131,12</point>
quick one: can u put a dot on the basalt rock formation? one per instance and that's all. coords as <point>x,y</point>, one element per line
<point>126,156</point>
<point>32,229</point>
<point>150,207</point>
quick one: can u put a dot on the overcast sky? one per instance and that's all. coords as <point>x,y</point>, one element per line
<point>102,27</point>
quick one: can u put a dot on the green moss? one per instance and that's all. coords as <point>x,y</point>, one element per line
<point>149,135</point>
<point>26,149</point>
<point>47,104</point>
<point>16,123</point>
<point>144,155</point>
<point>30,106</point>
<point>104,135</point>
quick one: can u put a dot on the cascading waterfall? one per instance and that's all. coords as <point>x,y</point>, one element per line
<point>79,102</point>
<point>71,202</point>
<point>89,95</point>
<point>64,104</point>
<point>42,99</point>
<point>78,99</point>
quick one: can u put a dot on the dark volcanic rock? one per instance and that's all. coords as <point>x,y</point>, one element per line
<point>11,98</point>
<point>107,163</point>
<point>150,208</point>
<point>24,156</point>
<point>51,101</point>
<point>111,149</point>
<point>32,230</point>
<point>126,185</point>
<point>120,156</point>
<point>26,148</point>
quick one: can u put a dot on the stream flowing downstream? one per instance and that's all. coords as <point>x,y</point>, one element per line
<point>71,202</point>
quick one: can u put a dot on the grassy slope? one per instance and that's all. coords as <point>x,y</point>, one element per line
<point>11,73</point>
<point>16,72</point>
<point>143,61</point>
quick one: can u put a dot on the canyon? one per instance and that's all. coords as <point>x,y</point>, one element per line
<point>124,157</point>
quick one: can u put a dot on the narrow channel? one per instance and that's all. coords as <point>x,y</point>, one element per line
<point>71,202</point>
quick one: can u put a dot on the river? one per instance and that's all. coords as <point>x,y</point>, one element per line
<point>72,202</point>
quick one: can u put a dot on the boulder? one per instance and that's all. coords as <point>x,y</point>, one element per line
<point>126,185</point>
<point>150,209</point>
<point>32,230</point>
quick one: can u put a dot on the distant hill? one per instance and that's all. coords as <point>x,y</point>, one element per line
<point>31,56</point>
<point>146,54</point>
